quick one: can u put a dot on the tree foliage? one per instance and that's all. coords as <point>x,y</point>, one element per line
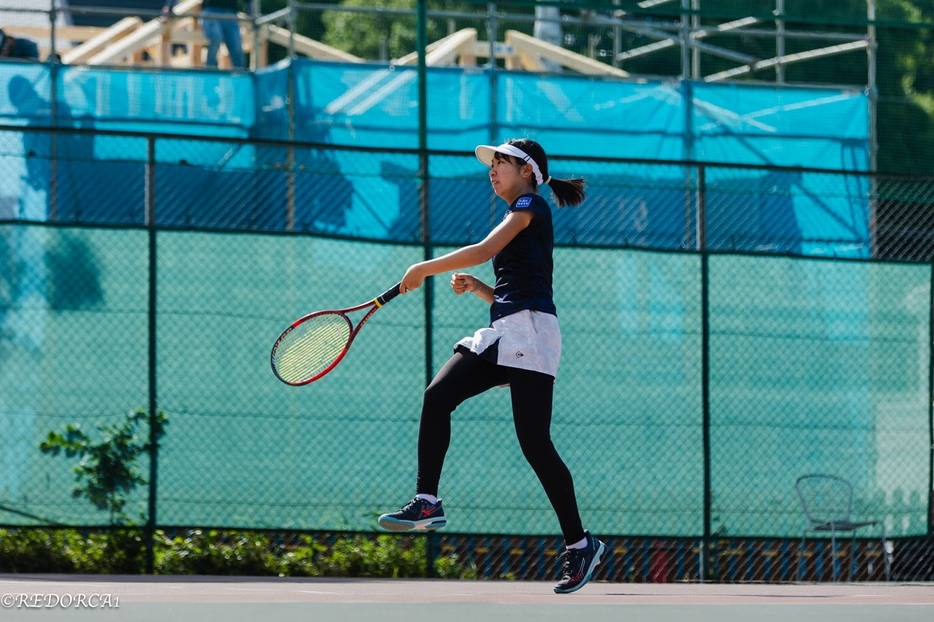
<point>905,51</point>
<point>906,87</point>
<point>108,471</point>
<point>384,34</point>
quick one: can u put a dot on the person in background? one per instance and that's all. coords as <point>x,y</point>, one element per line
<point>225,30</point>
<point>548,29</point>
<point>18,47</point>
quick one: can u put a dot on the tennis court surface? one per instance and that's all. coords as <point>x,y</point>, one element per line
<point>239,599</point>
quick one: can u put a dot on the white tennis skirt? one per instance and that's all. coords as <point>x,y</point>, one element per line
<point>526,340</point>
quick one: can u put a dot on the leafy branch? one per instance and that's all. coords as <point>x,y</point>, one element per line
<point>108,473</point>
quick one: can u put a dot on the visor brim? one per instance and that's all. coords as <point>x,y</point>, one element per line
<point>485,154</point>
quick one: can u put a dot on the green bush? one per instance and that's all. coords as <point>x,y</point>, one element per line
<point>213,553</point>
<point>451,567</point>
<point>385,556</point>
<point>216,552</point>
<point>36,550</point>
<point>118,551</point>
<point>300,560</point>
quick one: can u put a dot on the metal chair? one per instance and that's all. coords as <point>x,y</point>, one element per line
<point>828,505</point>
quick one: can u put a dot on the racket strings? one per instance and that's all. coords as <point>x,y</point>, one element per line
<point>311,347</point>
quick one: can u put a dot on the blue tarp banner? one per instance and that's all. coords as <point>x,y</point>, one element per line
<point>376,107</point>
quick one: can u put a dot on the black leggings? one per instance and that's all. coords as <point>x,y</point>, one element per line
<point>466,375</point>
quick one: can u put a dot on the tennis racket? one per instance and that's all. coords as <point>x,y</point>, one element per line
<point>315,343</point>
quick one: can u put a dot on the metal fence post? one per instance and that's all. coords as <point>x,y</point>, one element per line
<point>930,491</point>
<point>150,531</point>
<point>873,91</point>
<point>700,195</point>
<point>707,541</point>
<point>290,148</point>
<point>492,27</point>
<point>53,107</point>
<point>424,207</point>
<point>780,41</point>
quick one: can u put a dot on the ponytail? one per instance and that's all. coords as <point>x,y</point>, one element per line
<point>567,191</point>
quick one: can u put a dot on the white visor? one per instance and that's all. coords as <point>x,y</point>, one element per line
<point>485,154</point>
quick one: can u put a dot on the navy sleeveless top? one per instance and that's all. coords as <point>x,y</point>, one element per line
<point>523,269</point>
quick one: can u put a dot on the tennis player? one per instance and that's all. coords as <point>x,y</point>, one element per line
<point>520,348</point>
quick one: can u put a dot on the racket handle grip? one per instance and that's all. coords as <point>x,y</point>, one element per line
<point>388,295</point>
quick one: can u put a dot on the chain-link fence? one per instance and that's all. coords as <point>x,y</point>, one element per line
<point>729,326</point>
<point>696,386</point>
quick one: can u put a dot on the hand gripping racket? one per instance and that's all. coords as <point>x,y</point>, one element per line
<point>315,343</point>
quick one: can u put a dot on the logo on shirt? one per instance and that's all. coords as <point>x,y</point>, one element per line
<point>519,354</point>
<point>524,202</point>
